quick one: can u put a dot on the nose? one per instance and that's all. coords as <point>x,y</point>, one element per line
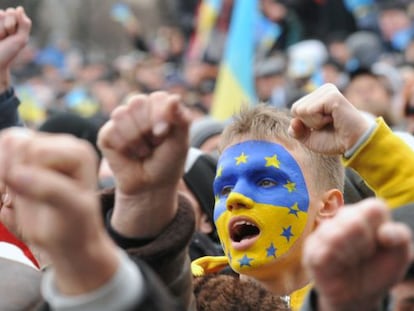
<point>236,201</point>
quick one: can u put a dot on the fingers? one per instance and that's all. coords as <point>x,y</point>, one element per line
<point>64,154</point>
<point>143,123</point>
<point>52,188</point>
<point>13,20</point>
<point>24,22</point>
<point>10,22</point>
<point>394,234</point>
<point>15,28</point>
<point>315,109</point>
<point>298,130</point>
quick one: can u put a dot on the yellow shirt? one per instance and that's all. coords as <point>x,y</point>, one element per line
<point>386,163</point>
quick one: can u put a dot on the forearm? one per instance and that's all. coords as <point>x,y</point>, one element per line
<point>144,215</point>
<point>166,254</point>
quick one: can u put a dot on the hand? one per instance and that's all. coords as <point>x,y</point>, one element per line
<point>53,179</point>
<point>145,143</point>
<point>15,29</point>
<point>326,122</point>
<point>355,257</point>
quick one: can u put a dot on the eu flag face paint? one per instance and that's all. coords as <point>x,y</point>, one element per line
<point>261,203</point>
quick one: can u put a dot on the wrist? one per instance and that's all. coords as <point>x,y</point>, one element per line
<point>144,215</point>
<point>356,142</point>
<point>87,268</point>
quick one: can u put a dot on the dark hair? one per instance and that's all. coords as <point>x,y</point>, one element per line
<point>227,293</point>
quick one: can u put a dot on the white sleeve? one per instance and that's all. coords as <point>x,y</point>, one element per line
<point>364,137</point>
<point>120,293</point>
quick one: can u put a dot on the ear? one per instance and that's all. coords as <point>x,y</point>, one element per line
<point>205,225</point>
<point>332,200</point>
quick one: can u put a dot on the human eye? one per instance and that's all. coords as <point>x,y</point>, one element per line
<point>267,183</point>
<point>225,191</point>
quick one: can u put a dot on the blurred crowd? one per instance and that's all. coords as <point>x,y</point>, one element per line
<point>319,59</point>
<point>360,46</point>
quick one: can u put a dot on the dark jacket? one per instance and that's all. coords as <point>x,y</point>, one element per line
<point>167,254</point>
<point>310,303</point>
<point>155,297</point>
<point>9,115</point>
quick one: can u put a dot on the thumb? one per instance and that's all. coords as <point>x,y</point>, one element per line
<point>299,130</point>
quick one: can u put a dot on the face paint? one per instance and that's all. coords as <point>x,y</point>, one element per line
<point>261,203</point>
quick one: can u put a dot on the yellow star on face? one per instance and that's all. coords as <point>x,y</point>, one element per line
<point>217,199</point>
<point>219,171</point>
<point>290,186</point>
<point>294,210</point>
<point>241,158</point>
<point>272,161</point>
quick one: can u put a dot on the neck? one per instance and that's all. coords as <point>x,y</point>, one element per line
<point>282,278</point>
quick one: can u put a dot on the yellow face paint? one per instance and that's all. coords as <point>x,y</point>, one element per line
<point>261,203</point>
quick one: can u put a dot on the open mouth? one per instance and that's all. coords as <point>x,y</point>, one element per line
<point>243,232</point>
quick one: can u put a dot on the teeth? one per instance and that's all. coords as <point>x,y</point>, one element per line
<point>243,222</point>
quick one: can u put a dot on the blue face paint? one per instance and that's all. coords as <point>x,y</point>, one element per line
<point>268,183</point>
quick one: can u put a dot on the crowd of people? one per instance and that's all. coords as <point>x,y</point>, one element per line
<point>119,190</point>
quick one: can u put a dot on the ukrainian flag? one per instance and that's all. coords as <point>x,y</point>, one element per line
<point>206,21</point>
<point>235,84</point>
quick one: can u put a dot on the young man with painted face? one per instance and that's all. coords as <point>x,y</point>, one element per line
<point>272,190</point>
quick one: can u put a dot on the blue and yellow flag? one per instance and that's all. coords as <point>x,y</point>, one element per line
<point>206,21</point>
<point>235,84</point>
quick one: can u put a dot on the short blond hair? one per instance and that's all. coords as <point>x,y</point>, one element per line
<point>264,122</point>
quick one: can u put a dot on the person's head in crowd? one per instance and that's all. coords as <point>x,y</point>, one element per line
<point>205,134</point>
<point>195,71</point>
<point>149,74</point>
<point>175,83</point>
<point>305,62</point>
<point>169,44</point>
<point>338,50</point>
<point>269,74</point>
<point>108,94</point>
<point>197,185</point>
<point>275,10</point>
<point>365,47</point>
<point>371,91</point>
<point>271,193</point>
<point>395,24</point>
<point>333,72</point>
<point>72,124</point>
<point>205,92</point>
